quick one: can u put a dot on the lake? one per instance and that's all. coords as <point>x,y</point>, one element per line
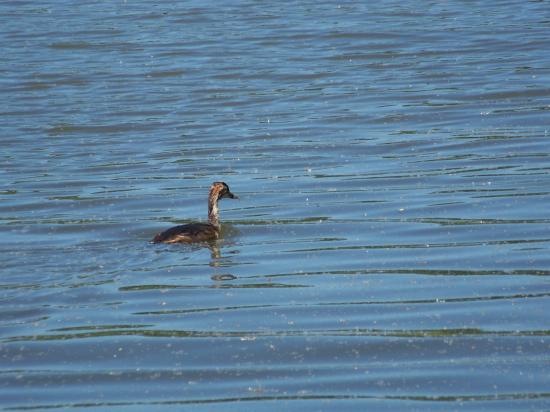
<point>390,247</point>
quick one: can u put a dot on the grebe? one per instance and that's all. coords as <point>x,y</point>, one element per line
<point>199,232</point>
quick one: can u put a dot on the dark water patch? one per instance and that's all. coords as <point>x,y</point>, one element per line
<point>317,401</point>
<point>128,331</point>
<point>226,286</point>
<point>73,45</point>
<point>95,129</point>
<point>424,246</point>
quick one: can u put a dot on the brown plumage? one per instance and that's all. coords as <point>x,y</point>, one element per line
<point>199,232</point>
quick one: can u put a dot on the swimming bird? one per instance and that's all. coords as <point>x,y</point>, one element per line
<point>199,232</point>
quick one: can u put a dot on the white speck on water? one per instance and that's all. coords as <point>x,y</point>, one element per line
<point>247,338</point>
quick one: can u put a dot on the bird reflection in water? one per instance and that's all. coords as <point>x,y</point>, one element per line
<point>219,261</point>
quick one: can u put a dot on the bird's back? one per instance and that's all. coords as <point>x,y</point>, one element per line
<point>193,232</point>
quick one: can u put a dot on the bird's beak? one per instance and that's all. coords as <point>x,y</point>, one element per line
<point>231,195</point>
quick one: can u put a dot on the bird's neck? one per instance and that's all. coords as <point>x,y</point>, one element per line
<point>213,213</point>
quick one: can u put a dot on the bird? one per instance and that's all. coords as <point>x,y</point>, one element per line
<point>199,232</point>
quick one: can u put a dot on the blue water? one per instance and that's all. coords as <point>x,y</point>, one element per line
<point>389,250</point>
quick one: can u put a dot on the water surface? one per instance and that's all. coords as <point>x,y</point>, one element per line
<point>390,248</point>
